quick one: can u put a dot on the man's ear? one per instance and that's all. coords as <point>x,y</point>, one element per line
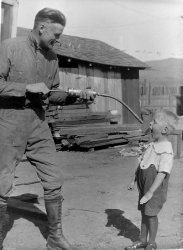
<point>41,28</point>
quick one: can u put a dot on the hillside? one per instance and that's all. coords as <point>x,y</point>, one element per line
<point>169,71</point>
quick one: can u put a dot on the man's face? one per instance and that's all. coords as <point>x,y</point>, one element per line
<point>49,35</point>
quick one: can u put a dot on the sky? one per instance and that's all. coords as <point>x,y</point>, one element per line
<point>145,29</point>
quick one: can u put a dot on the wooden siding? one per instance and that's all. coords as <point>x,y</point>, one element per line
<point>98,78</point>
<point>130,94</point>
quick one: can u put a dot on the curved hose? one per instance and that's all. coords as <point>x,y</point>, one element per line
<point>76,92</point>
<point>124,104</point>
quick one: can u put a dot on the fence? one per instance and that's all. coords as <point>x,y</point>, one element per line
<point>161,96</point>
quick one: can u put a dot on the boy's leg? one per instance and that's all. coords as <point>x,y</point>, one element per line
<point>152,228</point>
<point>142,243</point>
<point>144,228</point>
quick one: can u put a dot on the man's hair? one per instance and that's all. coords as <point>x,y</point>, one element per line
<point>167,118</point>
<point>50,16</point>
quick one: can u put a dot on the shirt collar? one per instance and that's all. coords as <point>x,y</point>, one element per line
<point>162,147</point>
<point>33,41</point>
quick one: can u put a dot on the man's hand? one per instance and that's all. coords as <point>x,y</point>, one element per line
<point>87,94</point>
<point>146,197</point>
<point>39,87</point>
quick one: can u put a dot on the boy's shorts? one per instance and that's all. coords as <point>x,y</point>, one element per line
<point>145,179</point>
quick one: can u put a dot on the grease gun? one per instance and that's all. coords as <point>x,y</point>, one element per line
<point>77,92</point>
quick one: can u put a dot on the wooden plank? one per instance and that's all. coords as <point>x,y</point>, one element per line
<point>87,138</point>
<point>111,90</point>
<point>98,86</point>
<point>118,94</point>
<point>114,85</point>
<point>130,83</point>
<point>102,143</point>
<point>176,140</point>
<point>74,77</point>
<point>83,117</point>
<point>128,128</point>
<point>79,122</point>
<point>76,105</point>
<point>90,76</point>
<point>74,112</point>
<point>82,78</point>
<point>106,88</point>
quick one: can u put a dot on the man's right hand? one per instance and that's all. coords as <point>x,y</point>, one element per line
<point>39,87</point>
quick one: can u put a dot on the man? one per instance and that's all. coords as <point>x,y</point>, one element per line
<point>28,70</point>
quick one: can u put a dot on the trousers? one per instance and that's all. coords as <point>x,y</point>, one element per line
<point>25,131</point>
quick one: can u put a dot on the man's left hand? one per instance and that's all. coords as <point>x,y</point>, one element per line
<point>146,197</point>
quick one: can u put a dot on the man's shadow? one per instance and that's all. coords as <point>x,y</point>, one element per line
<point>126,228</point>
<point>34,215</point>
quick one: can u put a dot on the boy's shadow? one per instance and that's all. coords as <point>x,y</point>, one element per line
<point>125,226</point>
<point>37,217</point>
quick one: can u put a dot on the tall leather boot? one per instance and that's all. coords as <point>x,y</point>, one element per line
<point>56,239</point>
<point>3,209</point>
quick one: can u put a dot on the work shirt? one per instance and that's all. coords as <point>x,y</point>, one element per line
<point>22,62</point>
<point>159,154</point>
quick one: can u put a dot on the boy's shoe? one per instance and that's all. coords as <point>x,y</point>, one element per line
<point>151,246</point>
<point>137,245</point>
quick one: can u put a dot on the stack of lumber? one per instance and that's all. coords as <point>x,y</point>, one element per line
<point>77,127</point>
<point>77,114</point>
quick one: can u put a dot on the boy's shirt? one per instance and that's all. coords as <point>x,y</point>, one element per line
<point>160,154</point>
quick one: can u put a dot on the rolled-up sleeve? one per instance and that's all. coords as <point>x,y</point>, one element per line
<point>7,88</point>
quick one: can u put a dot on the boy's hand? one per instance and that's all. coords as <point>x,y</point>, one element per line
<point>131,185</point>
<point>146,197</point>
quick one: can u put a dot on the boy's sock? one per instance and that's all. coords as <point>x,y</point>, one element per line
<point>153,228</point>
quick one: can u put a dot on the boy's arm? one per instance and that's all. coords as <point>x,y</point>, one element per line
<point>157,182</point>
<point>132,182</point>
<point>165,167</point>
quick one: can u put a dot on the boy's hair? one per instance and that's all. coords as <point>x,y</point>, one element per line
<point>167,118</point>
<point>50,16</point>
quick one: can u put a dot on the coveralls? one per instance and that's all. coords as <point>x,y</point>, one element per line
<point>23,128</point>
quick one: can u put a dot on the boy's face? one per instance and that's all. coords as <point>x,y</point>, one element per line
<point>157,127</point>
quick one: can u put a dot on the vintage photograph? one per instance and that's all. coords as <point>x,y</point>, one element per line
<point>91,120</point>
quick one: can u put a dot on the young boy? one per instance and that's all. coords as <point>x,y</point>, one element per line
<point>152,177</point>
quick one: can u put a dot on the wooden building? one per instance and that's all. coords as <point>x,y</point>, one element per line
<point>87,62</point>
<point>91,63</point>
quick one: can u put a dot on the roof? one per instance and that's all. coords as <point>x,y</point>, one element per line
<point>91,50</point>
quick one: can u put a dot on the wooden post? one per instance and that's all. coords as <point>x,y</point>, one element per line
<point>176,139</point>
<point>149,94</point>
<point>0,19</point>
<point>9,18</point>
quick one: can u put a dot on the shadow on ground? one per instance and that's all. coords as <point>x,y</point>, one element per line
<point>38,218</point>
<point>126,228</point>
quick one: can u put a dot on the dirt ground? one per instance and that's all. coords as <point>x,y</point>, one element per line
<point>98,211</point>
